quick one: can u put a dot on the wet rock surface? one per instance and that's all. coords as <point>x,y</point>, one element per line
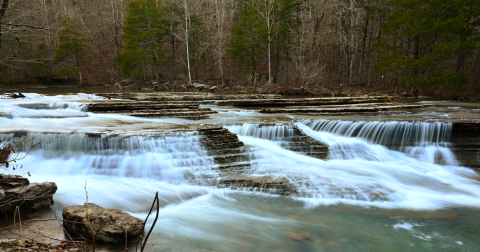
<point>16,191</point>
<point>357,109</point>
<point>297,101</point>
<point>184,96</point>
<point>222,144</point>
<point>181,109</point>
<point>12,245</point>
<point>234,160</point>
<point>304,144</point>
<point>109,224</point>
<point>265,184</point>
<point>12,95</point>
<point>465,141</point>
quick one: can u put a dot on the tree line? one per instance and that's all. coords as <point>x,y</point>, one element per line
<point>287,43</point>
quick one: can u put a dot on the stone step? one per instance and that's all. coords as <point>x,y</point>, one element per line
<point>297,101</point>
<point>232,158</point>
<point>236,168</point>
<point>184,96</point>
<point>265,184</point>
<point>343,109</point>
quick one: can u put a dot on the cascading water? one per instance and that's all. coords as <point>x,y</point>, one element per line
<point>426,141</point>
<point>378,176</point>
<point>372,183</point>
<point>173,158</point>
<point>269,132</point>
<point>391,134</point>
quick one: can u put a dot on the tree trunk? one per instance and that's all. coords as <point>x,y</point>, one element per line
<point>364,45</point>
<point>220,40</point>
<point>3,9</point>
<point>186,39</point>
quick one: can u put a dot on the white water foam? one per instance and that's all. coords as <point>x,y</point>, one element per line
<point>175,159</point>
<point>377,176</point>
<point>425,141</point>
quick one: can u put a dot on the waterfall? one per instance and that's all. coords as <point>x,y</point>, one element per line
<point>268,132</point>
<point>391,134</point>
<point>174,158</point>
<point>426,141</point>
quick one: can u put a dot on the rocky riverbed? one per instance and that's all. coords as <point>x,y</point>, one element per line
<point>223,163</point>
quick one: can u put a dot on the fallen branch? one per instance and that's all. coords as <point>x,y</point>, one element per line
<point>59,223</point>
<point>154,222</point>
<point>154,243</point>
<point>44,235</point>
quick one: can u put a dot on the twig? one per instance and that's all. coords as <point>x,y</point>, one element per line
<point>126,241</point>
<point>88,218</point>
<point>59,223</point>
<point>44,235</point>
<point>145,222</point>
<point>154,243</point>
<point>154,222</point>
<point>6,227</point>
<point>17,209</point>
<point>28,26</point>
<point>20,219</point>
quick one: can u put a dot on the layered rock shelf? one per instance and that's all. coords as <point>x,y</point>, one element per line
<point>297,101</point>
<point>17,191</point>
<point>228,152</point>
<point>266,184</point>
<point>465,141</point>
<point>357,109</point>
<point>181,109</point>
<point>234,160</point>
<point>185,96</point>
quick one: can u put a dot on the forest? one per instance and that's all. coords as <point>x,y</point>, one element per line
<point>251,45</point>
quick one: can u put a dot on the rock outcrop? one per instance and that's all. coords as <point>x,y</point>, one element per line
<point>109,225</point>
<point>16,191</point>
<point>185,96</point>
<point>465,141</point>
<point>265,184</point>
<point>242,102</point>
<point>167,109</point>
<point>356,109</point>
<point>307,145</point>
<point>234,161</point>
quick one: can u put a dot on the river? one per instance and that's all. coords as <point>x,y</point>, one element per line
<point>386,186</point>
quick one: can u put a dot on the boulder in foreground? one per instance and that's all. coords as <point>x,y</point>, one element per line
<point>29,197</point>
<point>108,224</point>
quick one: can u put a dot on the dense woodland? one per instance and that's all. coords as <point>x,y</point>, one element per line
<point>394,45</point>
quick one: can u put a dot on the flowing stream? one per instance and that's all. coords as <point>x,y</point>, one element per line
<point>386,186</point>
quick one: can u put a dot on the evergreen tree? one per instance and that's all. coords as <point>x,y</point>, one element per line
<point>144,35</point>
<point>247,42</point>
<point>71,50</point>
<point>261,27</point>
<point>41,68</point>
<point>422,38</point>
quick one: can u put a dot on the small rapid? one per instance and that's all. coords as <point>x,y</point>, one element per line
<point>426,141</point>
<point>396,180</point>
<point>358,172</point>
<point>172,158</point>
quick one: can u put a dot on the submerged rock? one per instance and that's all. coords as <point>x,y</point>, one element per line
<point>109,224</point>
<point>297,235</point>
<point>16,191</point>
<point>16,96</point>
